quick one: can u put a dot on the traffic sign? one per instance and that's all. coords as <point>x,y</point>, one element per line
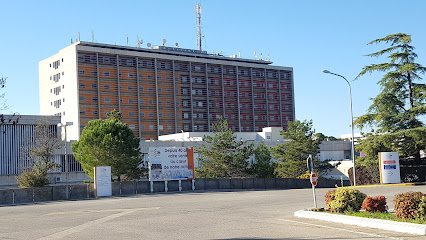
<point>314,179</point>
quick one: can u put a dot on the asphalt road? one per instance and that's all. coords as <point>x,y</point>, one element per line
<point>191,215</point>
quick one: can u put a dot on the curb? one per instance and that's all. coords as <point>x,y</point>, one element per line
<point>391,185</point>
<point>412,228</point>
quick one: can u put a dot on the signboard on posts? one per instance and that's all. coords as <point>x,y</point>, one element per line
<point>389,167</point>
<point>102,184</point>
<point>171,163</point>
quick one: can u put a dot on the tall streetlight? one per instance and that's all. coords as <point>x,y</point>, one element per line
<point>352,120</point>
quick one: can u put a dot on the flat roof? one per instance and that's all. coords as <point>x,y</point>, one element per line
<point>174,51</point>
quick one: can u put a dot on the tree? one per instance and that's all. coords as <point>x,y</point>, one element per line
<point>396,110</point>
<point>263,166</point>
<point>39,155</point>
<point>222,155</point>
<point>109,142</point>
<point>292,155</point>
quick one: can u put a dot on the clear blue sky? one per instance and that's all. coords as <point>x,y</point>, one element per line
<point>306,35</point>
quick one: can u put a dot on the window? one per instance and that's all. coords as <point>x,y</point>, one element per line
<point>160,115</point>
<point>95,112</point>
<point>106,74</point>
<point>94,86</point>
<point>131,101</point>
<point>140,89</point>
<point>107,100</point>
<point>270,85</point>
<point>151,127</point>
<point>285,86</point>
<point>160,127</point>
<point>159,90</point>
<point>271,118</point>
<point>129,62</point>
<point>271,107</point>
<point>95,99</point>
<point>93,73</point>
<point>142,127</point>
<point>254,84</point>
<point>151,114</point>
<point>169,127</point>
<point>132,126</point>
<point>141,101</point>
<point>105,60</point>
<point>150,101</point>
<point>131,114</point>
<point>200,104</point>
<point>287,108</point>
<point>169,103</point>
<point>81,71</point>
<point>130,88</point>
<point>186,128</point>
<point>169,115</point>
<point>167,78</point>
<point>82,99</point>
<point>185,115</point>
<point>150,89</point>
<point>82,112</point>
<point>82,85</point>
<point>149,76</point>
<point>160,102</point>
<point>142,114</point>
<point>107,87</point>
<point>140,76</point>
<point>130,75</point>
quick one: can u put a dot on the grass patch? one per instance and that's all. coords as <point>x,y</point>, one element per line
<point>385,216</point>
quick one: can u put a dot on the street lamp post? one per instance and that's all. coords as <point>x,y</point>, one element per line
<point>352,122</point>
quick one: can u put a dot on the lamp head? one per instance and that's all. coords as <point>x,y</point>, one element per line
<point>325,71</point>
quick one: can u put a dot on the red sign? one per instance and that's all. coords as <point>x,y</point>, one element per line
<point>389,162</point>
<point>314,179</point>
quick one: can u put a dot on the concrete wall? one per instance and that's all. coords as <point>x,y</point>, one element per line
<point>86,191</point>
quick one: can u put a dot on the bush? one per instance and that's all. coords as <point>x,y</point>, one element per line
<point>375,204</point>
<point>365,175</point>
<point>346,200</point>
<point>32,179</point>
<point>421,210</point>
<point>408,204</point>
<point>329,196</point>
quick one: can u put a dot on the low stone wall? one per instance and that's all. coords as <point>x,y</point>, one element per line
<point>86,191</point>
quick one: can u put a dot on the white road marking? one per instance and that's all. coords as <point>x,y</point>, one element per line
<point>341,229</point>
<point>90,224</point>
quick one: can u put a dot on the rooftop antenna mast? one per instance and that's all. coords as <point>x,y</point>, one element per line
<point>199,34</point>
<point>93,36</point>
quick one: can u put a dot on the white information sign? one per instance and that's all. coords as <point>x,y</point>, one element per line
<point>103,181</point>
<point>171,163</point>
<point>389,167</point>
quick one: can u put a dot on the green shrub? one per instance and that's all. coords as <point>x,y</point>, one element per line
<point>346,200</point>
<point>421,210</point>
<point>407,204</point>
<point>375,204</point>
<point>32,179</point>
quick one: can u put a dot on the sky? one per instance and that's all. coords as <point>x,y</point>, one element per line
<point>308,36</point>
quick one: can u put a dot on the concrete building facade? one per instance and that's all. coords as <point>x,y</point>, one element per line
<point>164,90</point>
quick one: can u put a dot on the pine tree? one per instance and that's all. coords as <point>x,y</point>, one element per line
<point>395,112</point>
<point>223,155</point>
